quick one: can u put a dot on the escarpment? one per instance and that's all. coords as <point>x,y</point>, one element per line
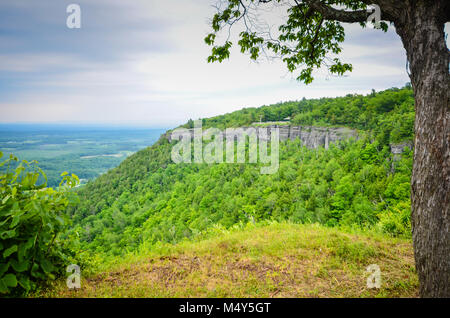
<point>311,136</point>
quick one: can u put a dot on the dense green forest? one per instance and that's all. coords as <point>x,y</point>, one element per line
<point>355,184</point>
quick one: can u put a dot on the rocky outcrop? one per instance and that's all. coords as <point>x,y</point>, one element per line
<point>314,137</point>
<point>311,136</point>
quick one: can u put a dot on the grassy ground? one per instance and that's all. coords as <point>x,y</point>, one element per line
<point>277,260</point>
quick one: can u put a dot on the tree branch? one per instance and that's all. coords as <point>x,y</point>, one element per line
<point>330,13</point>
<point>315,38</point>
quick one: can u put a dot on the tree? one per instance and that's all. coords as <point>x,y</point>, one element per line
<point>305,40</point>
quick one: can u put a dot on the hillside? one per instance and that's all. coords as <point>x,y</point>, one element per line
<point>272,260</point>
<point>353,184</point>
<point>338,201</point>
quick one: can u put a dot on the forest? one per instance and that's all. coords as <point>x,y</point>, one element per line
<point>148,200</point>
<point>356,183</point>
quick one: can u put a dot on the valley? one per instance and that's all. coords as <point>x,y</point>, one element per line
<point>85,151</point>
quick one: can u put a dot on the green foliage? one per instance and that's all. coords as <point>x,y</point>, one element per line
<point>32,217</point>
<point>269,252</point>
<point>397,220</point>
<point>389,114</point>
<point>354,184</point>
<point>306,40</point>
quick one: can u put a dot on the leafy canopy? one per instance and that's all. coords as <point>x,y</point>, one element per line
<point>148,199</point>
<point>309,38</point>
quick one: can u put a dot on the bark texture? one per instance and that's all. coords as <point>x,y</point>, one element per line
<point>421,28</point>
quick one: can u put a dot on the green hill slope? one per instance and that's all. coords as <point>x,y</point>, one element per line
<point>272,260</point>
<point>356,184</point>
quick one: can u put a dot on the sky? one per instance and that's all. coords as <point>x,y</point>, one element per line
<point>143,63</point>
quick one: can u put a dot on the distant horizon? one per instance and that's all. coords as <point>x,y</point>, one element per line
<point>148,125</point>
<point>29,126</point>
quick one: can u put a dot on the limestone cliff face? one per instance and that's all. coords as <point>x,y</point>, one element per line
<point>314,137</point>
<point>311,136</point>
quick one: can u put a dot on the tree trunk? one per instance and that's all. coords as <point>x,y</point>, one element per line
<point>422,31</point>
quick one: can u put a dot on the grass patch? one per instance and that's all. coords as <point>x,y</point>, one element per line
<point>275,260</point>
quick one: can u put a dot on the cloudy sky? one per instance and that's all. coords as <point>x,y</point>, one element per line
<point>143,62</point>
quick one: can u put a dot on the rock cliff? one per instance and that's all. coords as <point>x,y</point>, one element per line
<point>311,136</point>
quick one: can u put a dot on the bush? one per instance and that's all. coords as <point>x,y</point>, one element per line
<point>32,219</point>
<point>396,221</point>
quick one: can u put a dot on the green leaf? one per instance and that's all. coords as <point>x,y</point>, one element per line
<point>36,206</point>
<point>44,175</point>
<point>25,282</point>
<point>20,266</point>
<point>60,219</point>
<point>47,266</point>
<point>15,221</point>
<point>9,251</point>
<point>3,287</point>
<point>4,222</point>
<point>6,213</point>
<point>3,268</point>
<point>24,247</point>
<point>10,280</point>
<point>8,234</point>
<point>65,173</point>
<point>36,273</point>
<point>5,199</point>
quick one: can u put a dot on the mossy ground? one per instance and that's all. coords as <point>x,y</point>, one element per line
<point>275,260</point>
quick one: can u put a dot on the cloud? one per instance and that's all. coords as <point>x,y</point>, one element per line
<point>145,62</point>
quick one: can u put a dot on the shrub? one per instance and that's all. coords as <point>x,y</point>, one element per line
<point>396,221</point>
<point>32,219</point>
